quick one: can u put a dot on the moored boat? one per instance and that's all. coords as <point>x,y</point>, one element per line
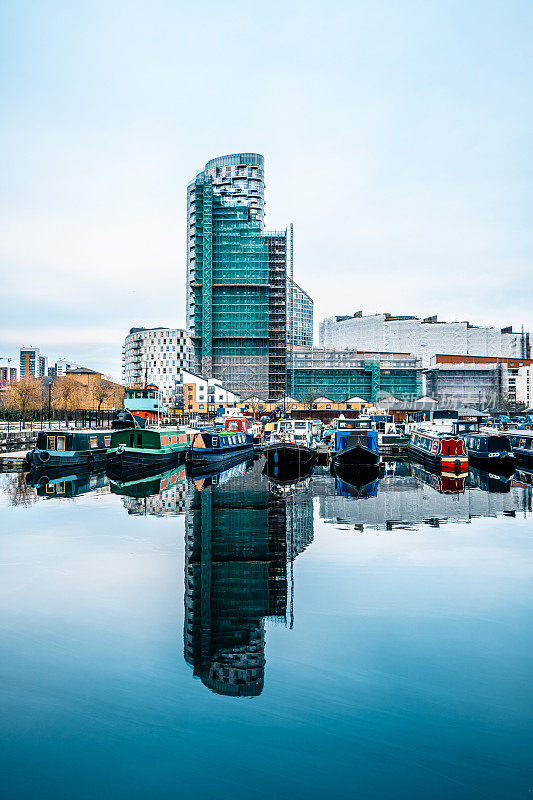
<point>146,449</point>
<point>291,448</point>
<point>356,444</point>
<point>490,451</point>
<point>144,404</point>
<point>440,450</point>
<point>522,445</point>
<point>210,446</point>
<point>65,449</point>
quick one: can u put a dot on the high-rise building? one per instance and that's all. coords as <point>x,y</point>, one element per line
<point>301,319</point>
<point>238,180</point>
<point>32,363</point>
<point>155,355</point>
<point>8,374</point>
<point>236,279</point>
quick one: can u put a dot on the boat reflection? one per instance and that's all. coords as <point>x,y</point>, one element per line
<point>66,483</point>
<point>160,494</point>
<point>240,541</point>
<point>203,477</point>
<point>488,481</point>
<point>443,484</point>
<point>356,482</point>
<point>288,475</point>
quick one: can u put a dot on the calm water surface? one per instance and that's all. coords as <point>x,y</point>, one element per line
<point>234,638</point>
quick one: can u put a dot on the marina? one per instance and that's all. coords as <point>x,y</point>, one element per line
<point>368,606</point>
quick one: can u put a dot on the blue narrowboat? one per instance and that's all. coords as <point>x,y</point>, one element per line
<point>491,451</point>
<point>211,446</point>
<point>522,445</point>
<point>356,444</point>
<point>69,450</point>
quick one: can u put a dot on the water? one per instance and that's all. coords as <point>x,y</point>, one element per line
<point>235,637</point>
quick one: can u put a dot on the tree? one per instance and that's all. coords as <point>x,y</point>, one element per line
<point>68,394</point>
<point>25,395</point>
<point>307,397</point>
<point>103,389</point>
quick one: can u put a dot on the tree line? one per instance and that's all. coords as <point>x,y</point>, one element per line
<point>66,395</point>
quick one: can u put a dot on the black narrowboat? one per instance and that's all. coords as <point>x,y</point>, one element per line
<point>522,445</point>
<point>490,451</point>
<point>69,450</point>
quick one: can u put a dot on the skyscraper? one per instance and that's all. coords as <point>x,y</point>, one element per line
<point>236,279</point>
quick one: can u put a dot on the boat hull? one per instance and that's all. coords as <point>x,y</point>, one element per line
<point>450,465</point>
<point>357,456</point>
<point>132,461</point>
<point>52,461</point>
<point>498,464</point>
<point>200,457</point>
<point>524,457</point>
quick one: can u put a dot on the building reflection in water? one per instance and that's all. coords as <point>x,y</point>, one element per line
<point>241,537</point>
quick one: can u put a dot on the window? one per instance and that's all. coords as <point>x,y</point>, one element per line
<point>60,442</point>
<point>50,442</point>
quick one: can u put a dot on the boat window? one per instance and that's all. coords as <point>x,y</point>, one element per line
<point>93,442</point>
<point>139,439</point>
<point>60,442</point>
<point>214,441</point>
<point>107,441</point>
<point>50,442</point>
<point>132,439</point>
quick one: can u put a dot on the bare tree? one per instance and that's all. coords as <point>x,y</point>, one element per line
<point>103,388</point>
<point>68,394</point>
<point>25,395</point>
<point>308,397</point>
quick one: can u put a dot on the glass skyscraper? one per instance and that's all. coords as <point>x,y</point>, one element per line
<point>236,279</point>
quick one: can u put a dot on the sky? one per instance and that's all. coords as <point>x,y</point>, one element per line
<point>396,135</point>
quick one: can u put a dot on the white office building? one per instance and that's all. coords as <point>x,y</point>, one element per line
<point>155,355</point>
<point>424,338</point>
<point>302,318</point>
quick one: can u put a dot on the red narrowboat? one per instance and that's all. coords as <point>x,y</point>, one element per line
<point>440,450</point>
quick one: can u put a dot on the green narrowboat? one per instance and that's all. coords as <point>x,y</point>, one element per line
<point>65,449</point>
<point>145,449</point>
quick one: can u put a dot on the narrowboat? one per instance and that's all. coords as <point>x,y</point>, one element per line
<point>522,445</point>
<point>145,449</point>
<point>211,446</point>
<point>356,444</point>
<point>69,450</point>
<point>291,447</point>
<point>440,450</point>
<point>491,451</point>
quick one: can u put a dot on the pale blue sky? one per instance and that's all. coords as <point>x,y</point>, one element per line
<point>397,138</point>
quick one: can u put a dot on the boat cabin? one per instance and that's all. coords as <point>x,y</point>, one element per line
<point>345,438</point>
<point>64,440</point>
<point>236,424</point>
<point>150,438</point>
<point>520,439</point>
<point>144,403</point>
<point>354,424</point>
<point>483,445</point>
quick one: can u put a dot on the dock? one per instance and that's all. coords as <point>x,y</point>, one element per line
<point>13,462</point>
